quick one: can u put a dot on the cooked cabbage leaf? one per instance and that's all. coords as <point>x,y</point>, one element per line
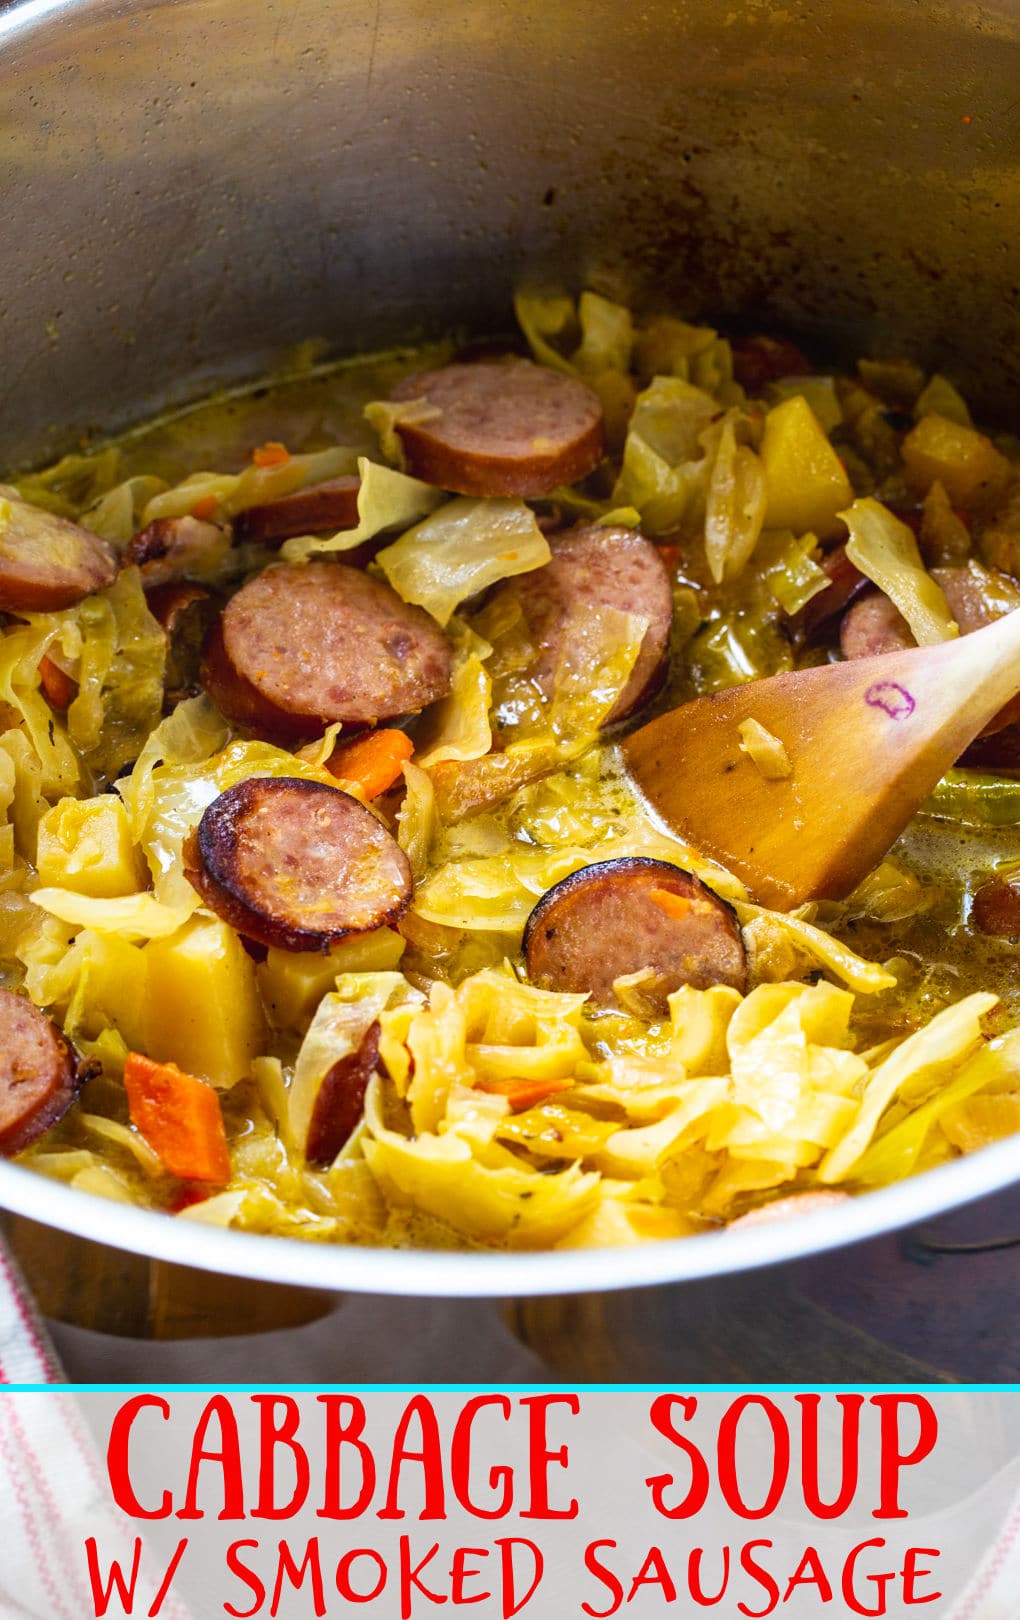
<point>884,549</point>
<point>460,550</point>
<point>386,500</point>
<point>341,1022</point>
<point>458,726</point>
<point>235,492</point>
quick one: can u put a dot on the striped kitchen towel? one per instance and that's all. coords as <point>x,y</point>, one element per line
<point>53,1494</point>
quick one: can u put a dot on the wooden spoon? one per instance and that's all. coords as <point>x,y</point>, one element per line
<point>867,741</point>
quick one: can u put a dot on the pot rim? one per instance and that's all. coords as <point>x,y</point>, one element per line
<point>344,1268</point>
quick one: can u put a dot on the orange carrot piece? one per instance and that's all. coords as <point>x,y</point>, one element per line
<point>674,905</point>
<point>180,1118</point>
<point>59,689</point>
<point>206,507</point>
<point>272,454</point>
<point>670,555</point>
<point>371,763</point>
<point>522,1094</point>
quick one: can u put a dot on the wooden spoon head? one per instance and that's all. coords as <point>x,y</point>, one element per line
<point>867,742</point>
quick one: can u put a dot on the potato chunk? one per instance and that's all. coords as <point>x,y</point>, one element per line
<point>202,1008</point>
<point>294,982</point>
<point>85,845</point>
<point>965,462</point>
<point>805,481</point>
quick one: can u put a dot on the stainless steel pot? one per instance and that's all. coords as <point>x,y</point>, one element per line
<point>192,186</point>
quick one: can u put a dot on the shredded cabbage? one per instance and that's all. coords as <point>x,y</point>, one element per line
<point>416,819</point>
<point>767,752</point>
<point>750,1093</point>
<point>542,318</point>
<point>131,916</point>
<point>788,566</point>
<point>607,336</point>
<point>785,943</point>
<point>340,1024</point>
<point>74,483</point>
<point>926,1058</point>
<point>386,500</point>
<point>884,549</point>
<point>235,492</point>
<point>665,472</point>
<point>601,646</point>
<point>503,1114</point>
<point>387,415</point>
<point>120,675</point>
<point>458,727</point>
<point>117,515</point>
<point>460,550</point>
<point>735,504</point>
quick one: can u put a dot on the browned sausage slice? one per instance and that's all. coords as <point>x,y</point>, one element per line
<point>297,864</point>
<point>185,612</point>
<point>509,428</point>
<point>57,686</point>
<point>299,648</point>
<point>846,584</point>
<point>598,565</point>
<point>340,1101</point>
<point>976,597</point>
<point>998,751</point>
<point>175,548</point>
<point>757,361</point>
<point>38,1073</point>
<point>316,510</point>
<point>628,916</point>
<point>169,603</point>
<point>872,626</point>
<point>996,907</point>
<point>46,562</point>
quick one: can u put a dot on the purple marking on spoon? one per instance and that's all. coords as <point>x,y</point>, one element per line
<point>892,698</point>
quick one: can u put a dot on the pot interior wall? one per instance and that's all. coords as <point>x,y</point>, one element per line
<point>196,185</point>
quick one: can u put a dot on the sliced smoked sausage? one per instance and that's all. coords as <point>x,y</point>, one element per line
<point>872,626</point>
<point>299,648</point>
<point>47,563</point>
<point>758,361</point>
<point>597,565</point>
<point>297,864</point>
<point>38,1073</point>
<point>175,548</point>
<point>846,584</point>
<point>628,916</point>
<point>503,428</point>
<point>316,510</point>
<point>340,1100</point>
<point>996,906</point>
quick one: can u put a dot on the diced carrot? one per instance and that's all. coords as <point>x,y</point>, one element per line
<point>371,763</point>
<point>522,1094</point>
<point>669,554</point>
<point>272,454</point>
<point>206,507</point>
<point>58,689</point>
<point>180,1118</point>
<point>674,905</point>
